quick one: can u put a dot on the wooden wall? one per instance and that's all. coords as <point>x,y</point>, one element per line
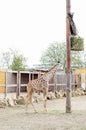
<point>2,81</point>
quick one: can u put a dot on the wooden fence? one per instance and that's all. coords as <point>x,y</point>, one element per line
<point>58,82</point>
<point>16,81</point>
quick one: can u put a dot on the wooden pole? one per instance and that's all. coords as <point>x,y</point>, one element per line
<point>6,84</point>
<point>18,84</point>
<point>68,60</point>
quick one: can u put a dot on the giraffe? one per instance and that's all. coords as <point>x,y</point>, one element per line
<point>41,85</point>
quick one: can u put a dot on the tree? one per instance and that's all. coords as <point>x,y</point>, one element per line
<point>18,63</point>
<point>6,58</point>
<point>13,59</point>
<point>56,52</point>
<point>77,60</point>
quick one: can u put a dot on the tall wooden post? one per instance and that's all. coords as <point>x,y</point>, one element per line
<point>6,85</point>
<point>68,60</point>
<point>18,84</point>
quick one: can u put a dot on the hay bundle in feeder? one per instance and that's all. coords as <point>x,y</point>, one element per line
<point>77,43</point>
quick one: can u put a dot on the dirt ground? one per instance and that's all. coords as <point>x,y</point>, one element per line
<point>15,118</point>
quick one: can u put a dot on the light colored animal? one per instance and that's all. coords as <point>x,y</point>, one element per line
<point>41,85</point>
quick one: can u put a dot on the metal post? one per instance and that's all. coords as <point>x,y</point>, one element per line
<point>68,60</point>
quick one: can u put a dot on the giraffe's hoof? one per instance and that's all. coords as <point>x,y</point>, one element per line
<point>35,111</point>
<point>26,112</point>
<point>45,110</point>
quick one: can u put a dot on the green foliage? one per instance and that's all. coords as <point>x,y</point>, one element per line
<point>18,63</point>
<point>12,59</point>
<point>56,52</point>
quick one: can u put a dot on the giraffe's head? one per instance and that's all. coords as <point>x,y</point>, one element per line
<point>55,67</point>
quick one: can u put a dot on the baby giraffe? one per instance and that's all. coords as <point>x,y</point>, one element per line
<point>41,85</point>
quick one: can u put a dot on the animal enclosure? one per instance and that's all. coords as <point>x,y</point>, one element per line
<point>16,81</point>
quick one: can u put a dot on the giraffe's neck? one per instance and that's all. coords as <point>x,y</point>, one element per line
<point>47,76</point>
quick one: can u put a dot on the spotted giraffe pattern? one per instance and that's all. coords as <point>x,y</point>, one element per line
<point>40,84</point>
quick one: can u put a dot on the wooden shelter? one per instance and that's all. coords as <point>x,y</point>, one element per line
<point>15,81</point>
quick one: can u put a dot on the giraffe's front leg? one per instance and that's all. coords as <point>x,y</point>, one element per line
<point>45,99</point>
<point>34,108</point>
<point>26,104</point>
<point>29,101</point>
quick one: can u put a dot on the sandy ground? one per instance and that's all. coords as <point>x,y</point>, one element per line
<point>15,118</point>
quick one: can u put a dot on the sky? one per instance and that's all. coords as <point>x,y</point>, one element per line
<point>30,26</point>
